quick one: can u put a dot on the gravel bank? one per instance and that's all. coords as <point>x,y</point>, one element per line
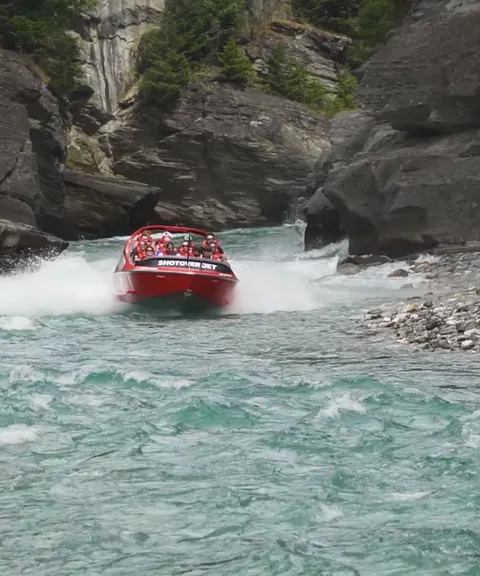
<point>447,317</point>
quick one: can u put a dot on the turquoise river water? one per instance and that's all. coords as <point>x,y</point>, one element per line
<point>273,439</point>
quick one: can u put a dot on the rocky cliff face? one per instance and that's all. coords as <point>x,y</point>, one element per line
<point>406,176</point>
<point>33,146</point>
<point>108,38</point>
<point>222,158</point>
<point>321,52</point>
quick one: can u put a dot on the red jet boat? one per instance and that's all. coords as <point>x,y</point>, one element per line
<point>181,282</point>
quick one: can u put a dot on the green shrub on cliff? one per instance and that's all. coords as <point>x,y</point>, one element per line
<point>235,66</point>
<point>191,31</point>
<point>290,79</point>
<point>337,15</point>
<point>345,97</point>
<point>375,20</point>
<point>40,29</point>
<point>367,21</point>
<point>196,34</point>
<point>164,80</point>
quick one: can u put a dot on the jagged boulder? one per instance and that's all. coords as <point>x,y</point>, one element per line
<point>348,133</point>
<point>401,86</point>
<point>410,194</point>
<point>33,145</point>
<point>414,181</point>
<point>324,225</point>
<point>23,246</point>
<point>100,206</point>
<point>225,157</point>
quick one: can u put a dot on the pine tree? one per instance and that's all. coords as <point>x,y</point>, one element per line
<point>235,64</point>
<point>290,79</point>
<point>163,81</point>
<point>41,30</point>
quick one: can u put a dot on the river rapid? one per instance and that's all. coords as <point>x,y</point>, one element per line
<point>276,438</point>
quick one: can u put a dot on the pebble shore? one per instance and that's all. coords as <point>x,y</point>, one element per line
<point>446,317</point>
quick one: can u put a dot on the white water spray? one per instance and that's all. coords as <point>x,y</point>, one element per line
<point>282,279</point>
<point>68,285</point>
<point>310,281</point>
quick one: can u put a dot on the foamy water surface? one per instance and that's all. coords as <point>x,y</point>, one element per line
<point>275,438</point>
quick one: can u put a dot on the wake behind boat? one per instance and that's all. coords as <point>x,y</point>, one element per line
<point>194,276</point>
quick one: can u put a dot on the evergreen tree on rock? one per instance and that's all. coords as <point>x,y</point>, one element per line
<point>235,64</point>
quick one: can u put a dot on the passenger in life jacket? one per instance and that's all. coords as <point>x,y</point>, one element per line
<point>165,238</point>
<point>197,251</point>
<point>217,252</point>
<point>146,237</point>
<point>189,239</point>
<point>207,252</point>
<point>169,249</point>
<point>185,249</point>
<point>149,252</point>
<point>212,240</point>
<point>138,253</point>
<point>209,239</point>
<point>215,255</point>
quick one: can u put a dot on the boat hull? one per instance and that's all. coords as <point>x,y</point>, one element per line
<point>183,290</point>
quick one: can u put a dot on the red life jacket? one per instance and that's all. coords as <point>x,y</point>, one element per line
<point>185,252</point>
<point>208,243</point>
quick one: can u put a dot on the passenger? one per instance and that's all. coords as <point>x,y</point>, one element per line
<point>138,253</point>
<point>211,239</point>
<point>169,250</point>
<point>189,239</point>
<point>197,251</point>
<point>149,252</point>
<point>165,238</point>
<point>146,237</point>
<point>185,249</point>
<point>217,252</point>
<point>207,252</point>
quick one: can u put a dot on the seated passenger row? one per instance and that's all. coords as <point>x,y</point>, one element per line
<point>146,248</point>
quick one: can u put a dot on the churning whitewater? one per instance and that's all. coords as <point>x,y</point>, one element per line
<point>278,437</point>
<point>274,276</point>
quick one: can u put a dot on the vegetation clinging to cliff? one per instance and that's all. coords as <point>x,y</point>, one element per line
<point>289,78</point>
<point>235,65</point>
<point>200,34</point>
<point>191,31</point>
<point>367,21</point>
<point>40,29</point>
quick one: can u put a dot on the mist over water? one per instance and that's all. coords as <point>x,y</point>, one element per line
<point>274,439</point>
